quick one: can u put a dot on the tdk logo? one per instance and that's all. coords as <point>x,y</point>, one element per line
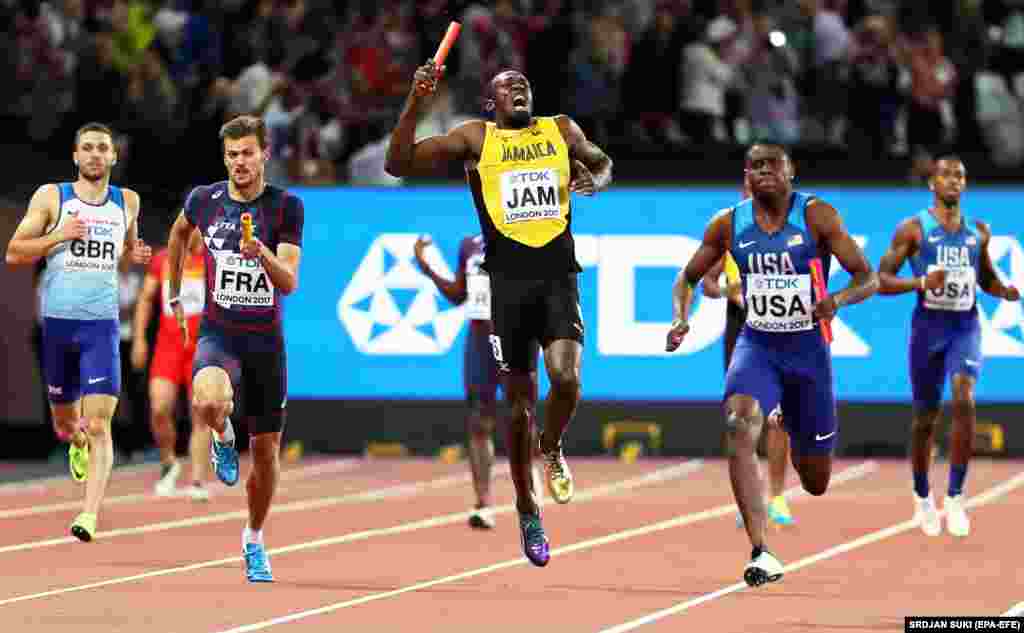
<point>390,308</point>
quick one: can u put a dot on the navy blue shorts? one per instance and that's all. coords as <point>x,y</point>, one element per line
<point>479,370</point>
<point>796,377</point>
<point>939,349</point>
<point>81,358</point>
<point>256,364</point>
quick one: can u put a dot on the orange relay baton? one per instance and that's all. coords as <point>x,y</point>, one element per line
<point>818,278</point>
<point>446,44</point>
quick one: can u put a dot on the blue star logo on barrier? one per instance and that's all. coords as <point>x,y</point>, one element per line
<point>390,308</point>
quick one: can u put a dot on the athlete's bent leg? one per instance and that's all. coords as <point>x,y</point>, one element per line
<point>743,427</point>
<point>263,477</point>
<point>199,451</point>
<point>922,438</point>
<point>962,446</point>
<point>777,447</point>
<point>815,471</point>
<point>98,411</point>
<point>480,425</point>
<point>212,398</point>
<point>521,396</point>
<point>562,358</point>
<point>163,395</point>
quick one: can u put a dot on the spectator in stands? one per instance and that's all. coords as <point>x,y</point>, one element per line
<point>874,79</point>
<point>770,76</point>
<point>705,77</point>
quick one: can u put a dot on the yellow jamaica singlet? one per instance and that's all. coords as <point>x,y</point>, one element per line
<point>521,189</point>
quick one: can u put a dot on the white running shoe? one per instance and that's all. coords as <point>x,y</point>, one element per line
<point>763,569</point>
<point>165,486</point>
<point>956,517</point>
<point>197,492</point>
<point>927,515</point>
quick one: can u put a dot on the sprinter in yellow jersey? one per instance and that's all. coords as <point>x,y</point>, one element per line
<point>521,170</point>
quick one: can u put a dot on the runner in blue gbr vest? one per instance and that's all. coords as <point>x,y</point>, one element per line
<point>780,357</point>
<point>949,260</point>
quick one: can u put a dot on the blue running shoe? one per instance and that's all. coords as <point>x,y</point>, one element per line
<point>257,565</point>
<point>535,542</point>
<point>224,458</point>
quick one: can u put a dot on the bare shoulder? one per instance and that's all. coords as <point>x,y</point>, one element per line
<point>472,131</point>
<point>46,199</point>
<point>821,212</point>
<point>131,198</point>
<point>909,230</point>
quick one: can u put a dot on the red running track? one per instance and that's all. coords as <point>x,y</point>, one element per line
<point>382,545</point>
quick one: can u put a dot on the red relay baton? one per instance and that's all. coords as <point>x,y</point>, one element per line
<point>446,44</point>
<point>818,278</point>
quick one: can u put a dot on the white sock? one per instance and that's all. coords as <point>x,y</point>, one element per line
<point>252,536</point>
<point>228,436</point>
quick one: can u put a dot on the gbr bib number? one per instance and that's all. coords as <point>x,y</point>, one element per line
<point>779,303</point>
<point>530,194</point>
<point>956,295</point>
<point>242,283</point>
<point>478,297</point>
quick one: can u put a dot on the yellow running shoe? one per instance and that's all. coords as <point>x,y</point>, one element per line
<point>84,526</point>
<point>78,461</point>
<point>560,483</point>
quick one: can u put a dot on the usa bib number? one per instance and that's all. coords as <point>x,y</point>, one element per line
<point>956,295</point>
<point>779,303</point>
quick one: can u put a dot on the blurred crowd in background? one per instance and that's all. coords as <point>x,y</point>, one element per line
<point>876,78</point>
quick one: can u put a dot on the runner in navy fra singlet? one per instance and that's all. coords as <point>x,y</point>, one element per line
<point>948,253</point>
<point>780,357</point>
<point>240,356</point>
<point>471,288</point>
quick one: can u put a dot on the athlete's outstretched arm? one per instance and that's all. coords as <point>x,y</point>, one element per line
<point>406,156</point>
<point>29,244</point>
<point>905,243</point>
<point>864,282</point>
<point>710,252</point>
<point>591,167</point>
<point>988,279</point>
<point>454,291</point>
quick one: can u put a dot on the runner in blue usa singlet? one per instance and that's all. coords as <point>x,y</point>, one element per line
<point>949,261</point>
<point>780,357</point>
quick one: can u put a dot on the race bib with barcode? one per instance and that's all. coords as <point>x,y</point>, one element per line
<point>242,283</point>
<point>779,303</point>
<point>529,194</point>
<point>957,294</point>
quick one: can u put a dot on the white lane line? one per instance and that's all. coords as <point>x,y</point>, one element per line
<point>1016,610</point>
<point>660,475</point>
<point>292,474</point>
<point>848,474</point>
<point>400,490</point>
<point>989,495</point>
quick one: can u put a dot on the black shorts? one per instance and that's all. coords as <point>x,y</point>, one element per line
<point>526,312</point>
<point>256,364</point>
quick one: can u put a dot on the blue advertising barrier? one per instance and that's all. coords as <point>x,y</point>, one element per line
<point>365,324</point>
